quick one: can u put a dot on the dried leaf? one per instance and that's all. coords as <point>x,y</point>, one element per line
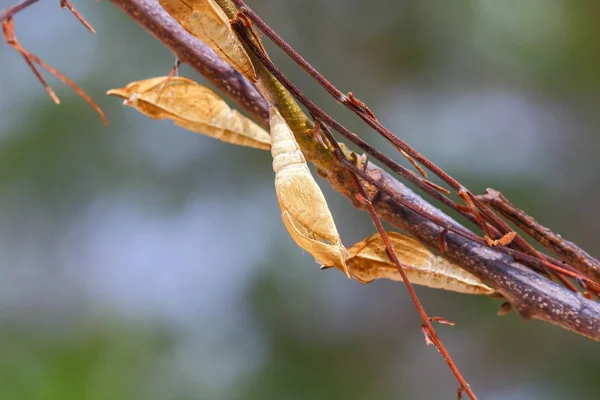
<point>304,210</point>
<point>193,107</point>
<point>369,261</point>
<point>205,20</point>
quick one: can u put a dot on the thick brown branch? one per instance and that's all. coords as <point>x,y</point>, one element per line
<point>531,294</point>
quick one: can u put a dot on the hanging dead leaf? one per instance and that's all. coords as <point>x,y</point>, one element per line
<point>205,20</point>
<point>193,107</point>
<point>369,261</point>
<point>304,210</point>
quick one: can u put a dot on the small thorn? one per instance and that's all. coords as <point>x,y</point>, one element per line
<point>505,308</point>
<point>441,321</point>
<point>361,199</point>
<point>503,241</point>
<point>67,4</point>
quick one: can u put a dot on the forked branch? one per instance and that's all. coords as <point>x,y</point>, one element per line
<point>8,32</point>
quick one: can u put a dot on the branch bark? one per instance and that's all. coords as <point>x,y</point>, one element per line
<point>532,295</point>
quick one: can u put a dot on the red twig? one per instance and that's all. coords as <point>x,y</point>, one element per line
<point>360,108</point>
<point>431,335</point>
<point>8,31</point>
<point>240,27</point>
<point>567,251</point>
<point>67,4</point>
<point>171,74</point>
<point>30,58</point>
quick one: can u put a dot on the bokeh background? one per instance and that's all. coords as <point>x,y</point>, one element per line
<point>141,261</point>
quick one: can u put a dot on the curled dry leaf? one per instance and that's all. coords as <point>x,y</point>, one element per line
<point>304,210</point>
<point>205,20</point>
<point>369,261</point>
<point>193,107</point>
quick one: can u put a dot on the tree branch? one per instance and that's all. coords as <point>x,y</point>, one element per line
<point>531,294</point>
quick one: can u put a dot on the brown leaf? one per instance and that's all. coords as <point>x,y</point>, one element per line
<point>205,20</point>
<point>193,107</point>
<point>369,261</point>
<point>304,210</point>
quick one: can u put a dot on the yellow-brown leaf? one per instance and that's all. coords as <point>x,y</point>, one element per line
<point>193,107</point>
<point>205,20</point>
<point>369,261</point>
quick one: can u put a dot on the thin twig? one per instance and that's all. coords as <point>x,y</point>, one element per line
<point>9,12</point>
<point>432,334</point>
<point>172,73</point>
<point>427,186</point>
<point>240,27</point>
<point>30,58</point>
<point>565,250</point>
<point>348,100</point>
<point>67,4</point>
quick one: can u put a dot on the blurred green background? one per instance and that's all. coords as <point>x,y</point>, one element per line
<point>141,261</point>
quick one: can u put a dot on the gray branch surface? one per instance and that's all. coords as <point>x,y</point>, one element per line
<point>532,295</point>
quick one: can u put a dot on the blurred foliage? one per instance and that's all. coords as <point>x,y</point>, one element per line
<point>177,237</point>
<point>111,361</point>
